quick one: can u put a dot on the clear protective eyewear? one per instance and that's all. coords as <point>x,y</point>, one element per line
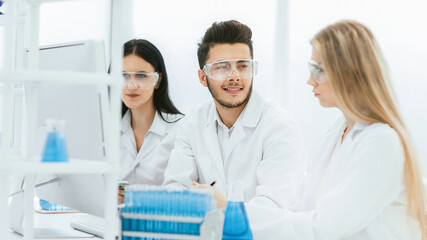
<point>221,70</point>
<point>316,71</point>
<point>142,80</point>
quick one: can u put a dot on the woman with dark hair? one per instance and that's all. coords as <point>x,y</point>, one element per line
<point>148,115</point>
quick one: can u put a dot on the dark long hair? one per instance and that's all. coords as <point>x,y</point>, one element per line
<point>147,51</point>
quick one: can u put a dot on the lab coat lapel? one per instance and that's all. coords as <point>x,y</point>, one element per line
<point>127,141</point>
<point>129,152</point>
<point>143,153</point>
<point>128,144</point>
<point>328,142</point>
<point>158,127</point>
<point>213,168</point>
<point>340,153</point>
<point>127,138</point>
<point>237,136</point>
<point>130,147</point>
<point>249,118</point>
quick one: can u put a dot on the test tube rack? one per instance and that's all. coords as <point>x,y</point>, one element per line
<point>157,213</point>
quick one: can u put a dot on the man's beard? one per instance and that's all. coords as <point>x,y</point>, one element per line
<point>214,94</point>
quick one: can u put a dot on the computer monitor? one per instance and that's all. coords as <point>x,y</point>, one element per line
<point>80,107</point>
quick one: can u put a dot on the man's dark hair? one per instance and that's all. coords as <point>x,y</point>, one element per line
<point>224,32</point>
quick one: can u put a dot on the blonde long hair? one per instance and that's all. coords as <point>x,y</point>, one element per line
<point>358,75</point>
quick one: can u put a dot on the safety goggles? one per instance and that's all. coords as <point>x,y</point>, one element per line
<point>141,80</point>
<point>316,71</point>
<point>222,70</point>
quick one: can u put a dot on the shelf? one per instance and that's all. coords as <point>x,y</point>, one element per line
<point>18,91</point>
<point>64,77</point>
<point>74,166</point>
<point>50,1</point>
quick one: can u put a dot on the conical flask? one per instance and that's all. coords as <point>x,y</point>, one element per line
<point>236,223</point>
<point>55,149</point>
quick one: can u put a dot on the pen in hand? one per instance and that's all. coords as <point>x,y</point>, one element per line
<point>195,184</point>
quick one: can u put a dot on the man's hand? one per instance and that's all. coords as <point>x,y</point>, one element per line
<point>219,198</point>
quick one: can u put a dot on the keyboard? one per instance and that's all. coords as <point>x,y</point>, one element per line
<point>96,227</point>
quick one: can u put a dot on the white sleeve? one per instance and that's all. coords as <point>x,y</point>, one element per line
<point>371,181</point>
<point>181,170</point>
<point>282,165</point>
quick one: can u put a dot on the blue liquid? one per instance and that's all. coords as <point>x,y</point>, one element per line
<point>164,203</point>
<point>236,224</point>
<point>50,206</point>
<point>55,149</point>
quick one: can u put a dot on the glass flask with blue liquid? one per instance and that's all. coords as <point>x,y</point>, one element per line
<point>236,222</point>
<point>55,149</point>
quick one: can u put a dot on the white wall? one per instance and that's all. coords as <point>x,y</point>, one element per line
<point>176,27</point>
<point>72,21</point>
<point>401,32</point>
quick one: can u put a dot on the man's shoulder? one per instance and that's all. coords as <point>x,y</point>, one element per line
<point>274,113</point>
<point>198,115</point>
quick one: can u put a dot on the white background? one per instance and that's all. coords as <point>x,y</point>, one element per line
<point>176,27</point>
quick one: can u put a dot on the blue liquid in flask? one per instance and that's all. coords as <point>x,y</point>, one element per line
<point>236,223</point>
<point>55,149</point>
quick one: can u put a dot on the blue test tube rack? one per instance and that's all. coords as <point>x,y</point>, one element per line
<point>153,212</point>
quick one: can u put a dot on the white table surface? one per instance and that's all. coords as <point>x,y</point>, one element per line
<point>59,221</point>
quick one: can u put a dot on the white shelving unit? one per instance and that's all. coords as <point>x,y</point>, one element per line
<point>21,27</point>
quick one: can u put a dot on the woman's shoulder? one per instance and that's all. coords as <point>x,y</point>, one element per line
<point>380,132</point>
<point>165,123</point>
<point>171,118</point>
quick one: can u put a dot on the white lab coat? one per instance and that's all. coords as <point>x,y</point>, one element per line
<point>358,194</point>
<point>263,161</point>
<point>148,165</point>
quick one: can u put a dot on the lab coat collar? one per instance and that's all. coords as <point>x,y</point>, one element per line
<point>358,128</point>
<point>127,138</point>
<point>249,117</point>
<point>125,122</point>
<point>158,126</point>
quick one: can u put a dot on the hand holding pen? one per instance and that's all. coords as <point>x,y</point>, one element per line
<point>219,198</point>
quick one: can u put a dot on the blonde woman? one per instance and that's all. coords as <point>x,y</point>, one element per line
<point>365,182</point>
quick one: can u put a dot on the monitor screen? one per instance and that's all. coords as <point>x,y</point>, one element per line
<point>79,106</point>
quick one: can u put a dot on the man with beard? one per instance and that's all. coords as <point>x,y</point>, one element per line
<point>250,148</point>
